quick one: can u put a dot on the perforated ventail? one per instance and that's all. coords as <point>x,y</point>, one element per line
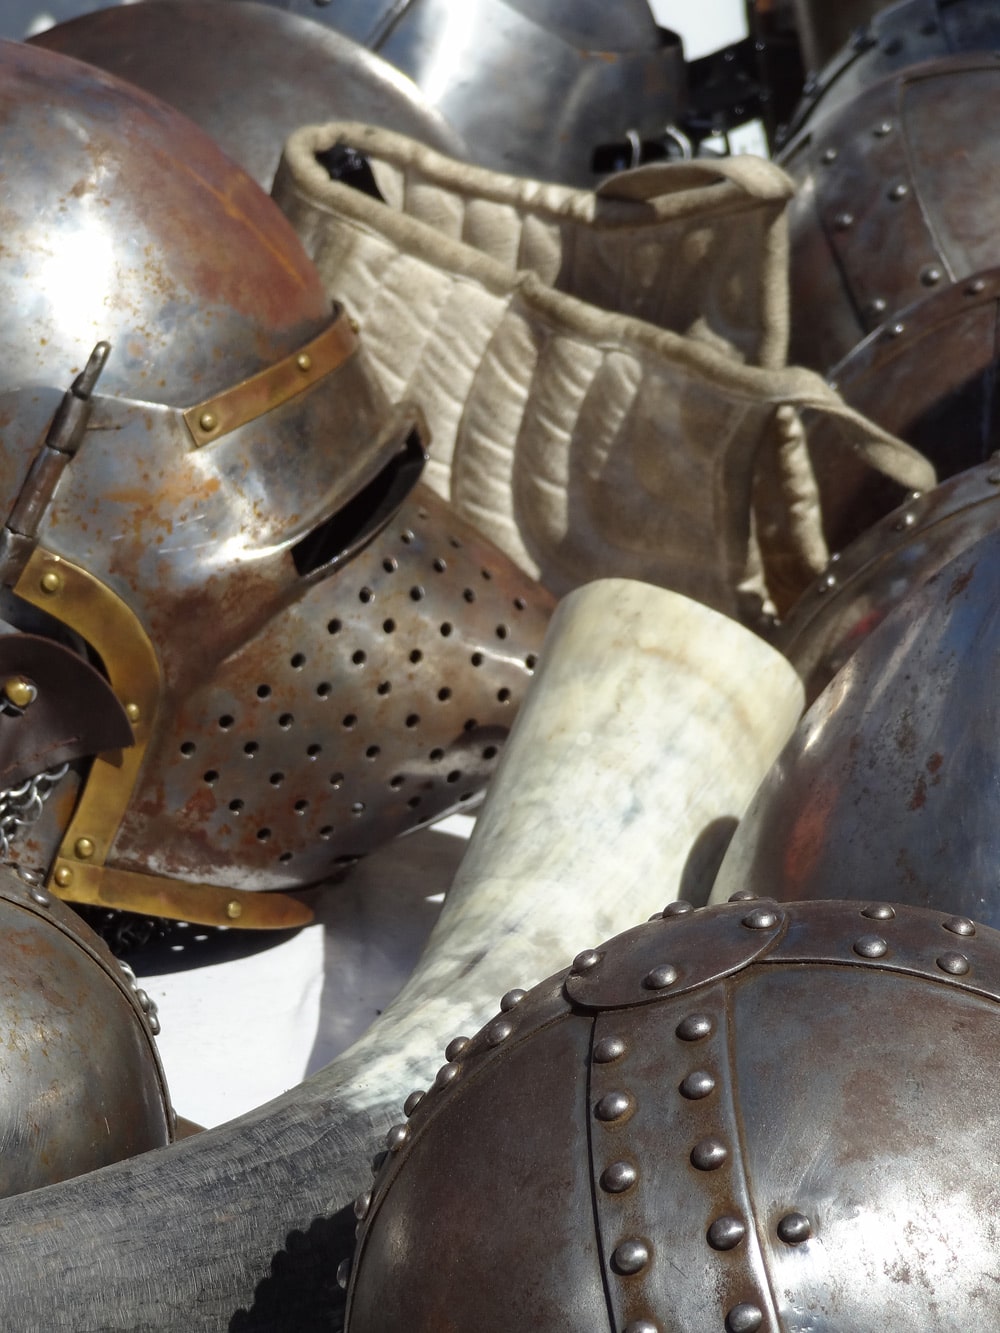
<point>376,703</point>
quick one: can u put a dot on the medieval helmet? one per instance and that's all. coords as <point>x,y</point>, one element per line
<point>223,516</point>
<point>738,1118</point>
<point>534,87</point>
<point>83,1085</point>
<point>280,71</point>
<point>891,776</point>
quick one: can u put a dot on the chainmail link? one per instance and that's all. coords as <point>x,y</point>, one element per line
<point>21,806</point>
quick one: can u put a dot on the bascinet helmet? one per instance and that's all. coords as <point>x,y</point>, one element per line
<point>223,517</point>
<point>82,1082</point>
<point>534,87</point>
<point>742,1118</point>
<point>891,776</point>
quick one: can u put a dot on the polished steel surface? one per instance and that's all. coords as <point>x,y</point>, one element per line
<point>532,86</point>
<point>888,787</point>
<point>279,72</point>
<point>82,1083</point>
<point>208,563</point>
<point>798,1131</point>
<point>863,584</point>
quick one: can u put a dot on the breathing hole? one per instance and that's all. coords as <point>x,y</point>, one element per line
<point>285,857</point>
<point>210,776</point>
<point>359,658</point>
<point>476,659</point>
<point>470,724</point>
<point>373,752</point>
<point>520,603</point>
<point>336,780</point>
<point>413,719</point>
<point>503,696</point>
<point>326,831</point>
<point>454,775</point>
<point>388,626</point>
<point>384,687</point>
<point>453,541</point>
<point>444,693</point>
<point>298,661</point>
<point>440,565</point>
<point>468,594</point>
<point>365,595</point>
<point>466,796</point>
<point>486,574</point>
<point>531,661</point>
<point>490,752</point>
<point>390,564</point>
<point>396,782</point>
<point>188,749</point>
<point>263,834</point>
<point>313,750</point>
<point>323,688</point>
<point>413,802</point>
<point>251,748</point>
<point>334,626</point>
<point>416,593</point>
<point>406,536</point>
<point>435,755</point>
<point>285,721</point>
<point>301,807</point>
<point>263,691</point>
<point>446,628</point>
<point>501,631</point>
<point>225,721</point>
<point>416,655</point>
<point>276,779</point>
<point>236,806</point>
<point>349,720</point>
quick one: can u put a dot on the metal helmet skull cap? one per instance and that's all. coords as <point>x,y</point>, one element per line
<point>193,507</point>
<point>742,1118</point>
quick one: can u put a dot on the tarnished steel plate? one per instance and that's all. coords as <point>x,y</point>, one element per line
<point>249,74</point>
<point>889,785</point>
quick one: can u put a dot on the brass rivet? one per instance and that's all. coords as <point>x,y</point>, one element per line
<point>133,712</point>
<point>84,848</point>
<point>20,691</point>
<point>208,421</point>
<point>234,910</point>
<point>304,361</point>
<point>355,326</point>
<point>64,877</point>
<point>50,582</point>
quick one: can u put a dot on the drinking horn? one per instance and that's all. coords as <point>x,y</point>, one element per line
<point>649,724</point>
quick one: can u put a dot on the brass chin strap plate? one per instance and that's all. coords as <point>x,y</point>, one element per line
<point>79,873</point>
<point>225,412</point>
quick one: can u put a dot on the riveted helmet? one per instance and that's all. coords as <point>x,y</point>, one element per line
<point>534,87</point>
<point>82,1082</point>
<point>741,1118</point>
<point>224,515</point>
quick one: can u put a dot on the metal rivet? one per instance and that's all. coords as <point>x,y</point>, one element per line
<point>761,918</point>
<point>679,908</point>
<point>742,896</point>
<point>879,912</point>
<point>234,910</point>
<point>498,1031</point>
<point>660,977</point>
<point>931,275</point>
<point>880,131</point>
<point>583,962</point>
<point>794,1228</point>
<point>877,307</point>
<point>870,946</point>
<point>343,1274</point>
<point>955,964</point>
<point>618,1177</point>
<point>208,421</point>
<point>609,1049</point>
<point>64,876</point>
<point>976,287</point>
<point>361,1205</point>
<point>50,582</point>
<point>40,897</point>
<point>843,221</point>
<point>895,330</point>
<point>511,1000</point>
<point>355,326</point>
<point>726,1233</point>
<point>396,1137</point>
<point>697,1085</point>
<point>413,1101</point>
<point>304,361</point>
<point>828,155</point>
<point>132,712</point>
<point>899,191</point>
<point>630,1256</point>
<point>904,522</point>
<point>641,1326</point>
<point>709,1154</point>
<point>827,583</point>
<point>695,1027</point>
<point>20,691</point>
<point>446,1074</point>
<point>455,1047</point>
<point>959,925</point>
<point>744,1318</point>
<point>84,848</point>
<point>613,1106</point>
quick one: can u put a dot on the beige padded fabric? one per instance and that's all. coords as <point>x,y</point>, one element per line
<point>601,372</point>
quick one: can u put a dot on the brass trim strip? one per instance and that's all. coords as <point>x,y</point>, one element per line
<point>217,416</point>
<point>201,904</point>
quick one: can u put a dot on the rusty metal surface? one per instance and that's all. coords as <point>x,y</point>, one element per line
<point>891,775</point>
<point>82,1083</point>
<point>249,75</point>
<point>881,569</point>
<point>895,200</point>
<point>784,1139</point>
